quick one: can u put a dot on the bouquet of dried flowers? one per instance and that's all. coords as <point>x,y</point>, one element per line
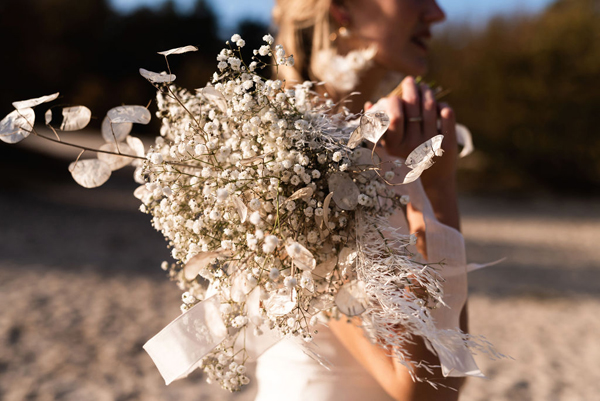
<point>275,211</point>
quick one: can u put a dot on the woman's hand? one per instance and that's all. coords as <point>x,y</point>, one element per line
<point>414,120</point>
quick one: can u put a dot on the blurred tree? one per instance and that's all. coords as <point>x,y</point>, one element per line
<point>92,55</point>
<point>252,32</point>
<point>51,42</point>
<point>528,89</point>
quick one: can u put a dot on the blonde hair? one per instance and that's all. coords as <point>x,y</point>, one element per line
<point>304,29</point>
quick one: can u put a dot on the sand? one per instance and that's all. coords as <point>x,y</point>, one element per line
<point>81,291</point>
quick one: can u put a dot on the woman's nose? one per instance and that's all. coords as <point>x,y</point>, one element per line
<point>433,12</point>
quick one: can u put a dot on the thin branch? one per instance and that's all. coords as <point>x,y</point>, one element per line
<point>84,147</point>
<point>79,156</point>
<point>55,133</point>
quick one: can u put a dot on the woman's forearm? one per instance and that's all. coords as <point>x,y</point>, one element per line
<point>443,198</point>
<point>393,377</point>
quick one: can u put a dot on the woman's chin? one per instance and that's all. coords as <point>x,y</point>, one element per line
<point>415,66</point>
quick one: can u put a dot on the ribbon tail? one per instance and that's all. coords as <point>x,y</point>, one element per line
<point>178,348</point>
<point>312,350</point>
<point>455,358</point>
<point>476,266</point>
<point>464,138</point>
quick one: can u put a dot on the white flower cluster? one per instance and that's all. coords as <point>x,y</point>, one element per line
<point>221,368</point>
<point>254,187</point>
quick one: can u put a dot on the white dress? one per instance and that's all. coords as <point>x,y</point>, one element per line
<point>285,372</point>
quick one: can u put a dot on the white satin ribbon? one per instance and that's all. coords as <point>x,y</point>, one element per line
<point>444,244</point>
<point>455,359</point>
<point>465,139</point>
<point>471,267</point>
<point>178,348</point>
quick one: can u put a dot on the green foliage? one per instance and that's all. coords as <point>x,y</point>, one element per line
<point>529,89</point>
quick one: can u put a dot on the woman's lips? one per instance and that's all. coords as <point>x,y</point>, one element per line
<point>420,42</point>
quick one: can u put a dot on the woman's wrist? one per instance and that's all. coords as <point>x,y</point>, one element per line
<point>440,185</point>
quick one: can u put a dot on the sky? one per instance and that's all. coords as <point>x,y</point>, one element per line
<point>230,12</point>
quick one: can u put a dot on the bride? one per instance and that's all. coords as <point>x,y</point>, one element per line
<point>368,46</point>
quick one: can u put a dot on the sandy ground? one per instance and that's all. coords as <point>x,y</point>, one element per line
<point>81,291</point>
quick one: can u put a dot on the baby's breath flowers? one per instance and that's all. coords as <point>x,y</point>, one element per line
<point>259,177</point>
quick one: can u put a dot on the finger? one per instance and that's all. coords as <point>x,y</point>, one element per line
<point>429,107</point>
<point>448,125</point>
<point>412,107</point>
<point>395,133</point>
<point>410,95</point>
<point>393,108</point>
<point>368,105</point>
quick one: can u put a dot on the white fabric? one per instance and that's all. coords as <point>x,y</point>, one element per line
<point>471,267</point>
<point>285,372</point>
<point>178,348</point>
<point>447,245</point>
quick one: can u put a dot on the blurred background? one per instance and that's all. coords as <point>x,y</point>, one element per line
<point>80,284</point>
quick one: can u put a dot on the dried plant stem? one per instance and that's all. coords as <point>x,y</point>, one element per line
<point>439,93</point>
<point>74,145</point>
<point>108,152</point>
